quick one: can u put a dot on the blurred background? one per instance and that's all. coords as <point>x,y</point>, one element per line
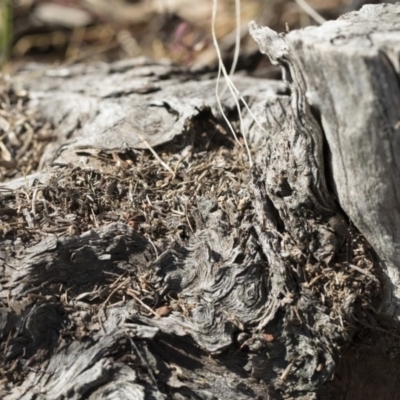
<point>70,31</point>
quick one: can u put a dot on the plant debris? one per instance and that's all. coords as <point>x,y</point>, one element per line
<point>135,188</point>
<point>23,136</point>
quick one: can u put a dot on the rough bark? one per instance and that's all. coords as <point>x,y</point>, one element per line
<point>348,73</point>
<point>271,289</point>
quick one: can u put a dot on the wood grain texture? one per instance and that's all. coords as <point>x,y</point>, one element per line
<point>125,104</point>
<point>348,73</point>
<point>261,299</point>
<point>238,276</point>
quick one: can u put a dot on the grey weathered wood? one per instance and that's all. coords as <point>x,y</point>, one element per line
<point>240,280</point>
<point>348,72</point>
<point>125,104</point>
<point>258,307</point>
<point>220,273</point>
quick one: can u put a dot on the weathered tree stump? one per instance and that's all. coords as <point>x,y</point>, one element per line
<point>348,73</point>
<point>120,279</point>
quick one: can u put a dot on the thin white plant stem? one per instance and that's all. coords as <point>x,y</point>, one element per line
<point>229,83</point>
<point>310,11</point>
<point>237,44</point>
<point>165,165</point>
<point>237,40</point>
<point>221,67</point>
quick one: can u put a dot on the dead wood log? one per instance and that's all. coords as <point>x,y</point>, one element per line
<point>271,278</point>
<point>129,104</point>
<point>347,72</point>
